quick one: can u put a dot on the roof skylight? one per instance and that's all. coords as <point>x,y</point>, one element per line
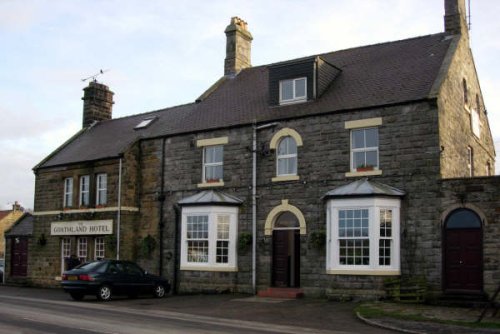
<point>144,123</point>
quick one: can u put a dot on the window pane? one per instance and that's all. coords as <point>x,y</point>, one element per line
<point>287,146</point>
<point>287,220</point>
<point>197,227</point>
<point>384,252</point>
<point>222,253</point>
<point>358,139</point>
<point>372,158</point>
<point>371,137</point>
<point>287,90</point>
<point>223,227</point>
<point>300,88</point>
<point>197,251</point>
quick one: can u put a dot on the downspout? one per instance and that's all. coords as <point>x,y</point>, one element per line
<point>161,199</point>
<point>254,209</point>
<point>119,211</point>
<point>176,248</point>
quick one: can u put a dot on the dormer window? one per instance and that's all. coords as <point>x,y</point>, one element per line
<point>293,90</point>
<point>300,80</point>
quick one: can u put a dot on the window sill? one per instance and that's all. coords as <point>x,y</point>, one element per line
<point>287,102</point>
<point>208,268</point>
<point>210,184</point>
<point>365,272</point>
<point>285,178</point>
<point>367,173</point>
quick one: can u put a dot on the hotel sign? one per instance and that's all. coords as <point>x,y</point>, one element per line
<point>82,227</point>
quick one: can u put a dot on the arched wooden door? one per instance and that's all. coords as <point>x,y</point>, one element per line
<point>463,252</point>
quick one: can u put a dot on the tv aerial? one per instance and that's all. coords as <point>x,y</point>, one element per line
<point>94,77</point>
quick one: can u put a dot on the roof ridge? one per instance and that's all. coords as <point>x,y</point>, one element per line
<point>342,50</point>
<point>148,112</point>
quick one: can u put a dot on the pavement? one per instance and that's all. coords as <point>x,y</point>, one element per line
<point>312,315</point>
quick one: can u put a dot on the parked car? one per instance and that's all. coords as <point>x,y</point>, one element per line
<point>2,269</point>
<point>105,278</point>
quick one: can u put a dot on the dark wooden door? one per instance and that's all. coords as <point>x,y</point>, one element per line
<point>463,259</point>
<point>286,264</point>
<point>19,262</point>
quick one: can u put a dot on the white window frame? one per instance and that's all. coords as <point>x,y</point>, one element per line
<point>65,252</point>
<point>84,194</point>
<point>470,161</point>
<point>101,189</point>
<point>99,248</point>
<point>374,205</point>
<point>68,192</point>
<point>212,212</point>
<point>82,249</point>
<point>295,98</point>
<point>288,157</point>
<point>212,164</point>
<point>364,149</point>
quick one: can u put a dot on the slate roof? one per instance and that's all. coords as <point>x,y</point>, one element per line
<point>364,187</point>
<point>4,213</point>
<point>210,197</point>
<point>22,227</point>
<point>375,75</point>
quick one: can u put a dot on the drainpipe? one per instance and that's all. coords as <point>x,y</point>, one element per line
<point>119,212</point>
<point>161,199</point>
<point>176,255</point>
<point>254,202</point>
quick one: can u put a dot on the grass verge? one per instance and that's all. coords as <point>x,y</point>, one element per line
<point>376,310</point>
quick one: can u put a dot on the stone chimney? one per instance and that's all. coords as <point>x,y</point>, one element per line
<point>455,20</point>
<point>238,46</point>
<point>97,103</point>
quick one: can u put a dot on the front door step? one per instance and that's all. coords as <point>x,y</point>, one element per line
<point>287,293</point>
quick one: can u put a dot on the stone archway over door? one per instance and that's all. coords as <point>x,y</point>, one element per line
<point>463,252</point>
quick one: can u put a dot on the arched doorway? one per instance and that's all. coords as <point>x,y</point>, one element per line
<point>286,251</point>
<point>463,252</point>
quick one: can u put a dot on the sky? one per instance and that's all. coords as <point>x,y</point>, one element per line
<point>160,53</point>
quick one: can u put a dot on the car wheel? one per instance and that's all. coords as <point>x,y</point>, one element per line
<point>159,291</point>
<point>104,293</point>
<point>76,295</point>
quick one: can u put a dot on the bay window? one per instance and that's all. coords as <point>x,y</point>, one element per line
<point>208,239</point>
<point>363,236</point>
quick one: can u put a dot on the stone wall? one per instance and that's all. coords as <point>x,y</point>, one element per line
<point>44,261</point>
<point>455,126</point>
<point>481,195</point>
<point>409,160</point>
